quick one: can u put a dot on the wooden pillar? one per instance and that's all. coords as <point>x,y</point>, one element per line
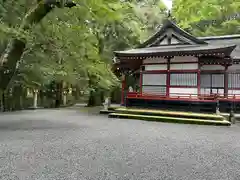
<point>123,89</point>
<point>199,79</point>
<point>168,78</point>
<point>140,80</point>
<point>226,82</point>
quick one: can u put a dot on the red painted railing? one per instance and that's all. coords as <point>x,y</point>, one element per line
<point>133,94</point>
<point>182,96</point>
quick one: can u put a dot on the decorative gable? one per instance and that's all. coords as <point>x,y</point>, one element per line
<point>171,34</point>
<point>175,41</point>
<point>164,41</point>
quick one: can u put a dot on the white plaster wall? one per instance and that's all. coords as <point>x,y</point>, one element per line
<point>234,92</point>
<point>212,67</point>
<point>182,37</point>
<point>164,41</point>
<point>155,67</point>
<point>184,59</point>
<point>218,91</point>
<point>183,91</point>
<point>234,67</point>
<point>154,60</point>
<point>205,91</point>
<point>190,66</point>
<point>174,41</point>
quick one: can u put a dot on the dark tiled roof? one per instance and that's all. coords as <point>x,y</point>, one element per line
<point>229,44</point>
<point>225,40</point>
<point>178,49</point>
<point>225,37</point>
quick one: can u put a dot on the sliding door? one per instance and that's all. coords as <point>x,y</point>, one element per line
<point>212,83</point>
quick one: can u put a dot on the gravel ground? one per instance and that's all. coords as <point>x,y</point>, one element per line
<point>68,145</point>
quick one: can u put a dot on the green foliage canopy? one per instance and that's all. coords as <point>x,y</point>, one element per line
<point>208,17</point>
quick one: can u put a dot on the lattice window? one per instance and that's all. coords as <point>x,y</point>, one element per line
<point>234,80</point>
<point>183,79</point>
<point>154,90</point>
<point>154,79</point>
<point>154,84</point>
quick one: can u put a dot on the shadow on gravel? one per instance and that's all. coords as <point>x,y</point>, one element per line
<point>90,110</point>
<point>36,125</point>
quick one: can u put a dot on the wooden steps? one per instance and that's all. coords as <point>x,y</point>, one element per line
<point>169,116</point>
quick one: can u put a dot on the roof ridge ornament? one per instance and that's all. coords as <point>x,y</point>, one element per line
<point>169,14</point>
<point>170,17</point>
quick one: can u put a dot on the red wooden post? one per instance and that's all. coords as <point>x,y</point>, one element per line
<point>226,82</point>
<point>199,79</point>
<point>140,81</point>
<point>123,89</point>
<point>168,78</point>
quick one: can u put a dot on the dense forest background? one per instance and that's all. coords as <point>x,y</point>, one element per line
<point>58,52</point>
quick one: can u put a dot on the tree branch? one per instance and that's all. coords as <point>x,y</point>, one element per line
<point>15,48</point>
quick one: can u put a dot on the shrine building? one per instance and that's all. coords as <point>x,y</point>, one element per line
<point>177,71</point>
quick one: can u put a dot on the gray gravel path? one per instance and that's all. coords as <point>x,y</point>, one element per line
<point>68,145</point>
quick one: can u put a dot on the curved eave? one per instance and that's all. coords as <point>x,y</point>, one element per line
<point>126,64</point>
<point>146,52</point>
<point>225,37</point>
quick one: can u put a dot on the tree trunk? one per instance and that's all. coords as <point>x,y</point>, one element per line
<point>41,97</point>
<point>91,99</point>
<point>77,93</point>
<point>94,98</point>
<point>15,98</point>
<point>59,89</point>
<point>102,96</point>
<point>3,101</point>
<point>9,61</point>
<point>15,48</point>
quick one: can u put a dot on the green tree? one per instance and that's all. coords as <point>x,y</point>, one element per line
<point>16,46</point>
<point>208,17</point>
<point>151,14</point>
<point>68,46</point>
